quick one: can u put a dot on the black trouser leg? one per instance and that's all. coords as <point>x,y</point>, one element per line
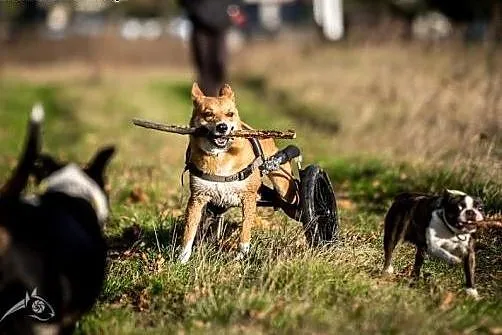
<point>209,54</point>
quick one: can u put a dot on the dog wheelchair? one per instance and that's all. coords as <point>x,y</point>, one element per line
<point>316,209</point>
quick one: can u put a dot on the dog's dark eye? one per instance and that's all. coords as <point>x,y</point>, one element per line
<point>207,114</point>
<point>230,114</point>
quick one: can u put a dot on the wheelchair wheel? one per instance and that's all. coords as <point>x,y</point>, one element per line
<point>319,213</point>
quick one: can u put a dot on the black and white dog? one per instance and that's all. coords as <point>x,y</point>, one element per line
<point>52,250</point>
<point>441,226</point>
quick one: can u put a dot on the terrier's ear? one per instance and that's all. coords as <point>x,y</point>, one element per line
<point>445,195</point>
<point>97,166</point>
<point>197,93</point>
<point>226,91</point>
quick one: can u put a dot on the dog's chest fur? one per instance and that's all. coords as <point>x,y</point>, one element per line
<point>220,194</point>
<point>438,236</point>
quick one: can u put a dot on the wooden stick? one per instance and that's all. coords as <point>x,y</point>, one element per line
<point>247,133</point>
<point>491,222</point>
<point>164,127</point>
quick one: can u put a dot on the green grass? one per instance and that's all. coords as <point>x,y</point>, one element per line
<point>284,287</point>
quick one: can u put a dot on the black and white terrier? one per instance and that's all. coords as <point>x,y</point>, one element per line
<point>52,250</point>
<point>441,226</point>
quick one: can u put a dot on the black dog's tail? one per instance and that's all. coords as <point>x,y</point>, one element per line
<point>19,178</point>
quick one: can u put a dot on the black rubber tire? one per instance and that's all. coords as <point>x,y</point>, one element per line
<point>319,214</point>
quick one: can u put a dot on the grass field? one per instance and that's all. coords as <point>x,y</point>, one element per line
<point>284,287</point>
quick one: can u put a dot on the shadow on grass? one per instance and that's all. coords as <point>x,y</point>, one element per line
<point>153,236</point>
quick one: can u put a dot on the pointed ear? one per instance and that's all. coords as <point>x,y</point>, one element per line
<point>96,167</point>
<point>197,93</point>
<point>445,195</point>
<point>226,91</point>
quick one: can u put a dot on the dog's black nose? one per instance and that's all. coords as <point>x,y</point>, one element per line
<point>221,128</point>
<point>470,214</point>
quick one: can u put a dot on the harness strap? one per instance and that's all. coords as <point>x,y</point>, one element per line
<point>239,176</point>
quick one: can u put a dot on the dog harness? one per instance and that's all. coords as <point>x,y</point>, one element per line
<point>239,176</point>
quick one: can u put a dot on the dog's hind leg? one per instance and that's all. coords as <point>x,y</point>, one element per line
<point>388,250</point>
<point>390,240</point>
<point>419,260</point>
<point>193,216</point>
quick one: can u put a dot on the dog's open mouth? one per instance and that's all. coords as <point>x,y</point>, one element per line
<point>220,142</point>
<point>468,226</point>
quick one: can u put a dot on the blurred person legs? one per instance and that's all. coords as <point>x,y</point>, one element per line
<point>211,19</point>
<point>209,54</point>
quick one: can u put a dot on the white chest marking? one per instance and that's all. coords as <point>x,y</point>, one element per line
<point>442,243</point>
<point>227,194</point>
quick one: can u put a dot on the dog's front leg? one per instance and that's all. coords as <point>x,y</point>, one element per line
<point>193,216</point>
<point>469,269</point>
<point>443,254</point>
<point>248,217</point>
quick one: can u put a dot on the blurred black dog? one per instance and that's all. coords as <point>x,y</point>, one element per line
<point>439,225</point>
<point>52,250</point>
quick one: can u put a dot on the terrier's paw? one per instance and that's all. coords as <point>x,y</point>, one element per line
<point>473,293</point>
<point>184,256</point>
<point>244,251</point>
<point>388,270</point>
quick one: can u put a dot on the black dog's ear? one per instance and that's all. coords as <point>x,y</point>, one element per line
<point>96,167</point>
<point>44,166</point>
<point>445,195</point>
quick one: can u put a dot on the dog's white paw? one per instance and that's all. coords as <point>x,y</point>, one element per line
<point>388,270</point>
<point>244,251</point>
<point>473,293</point>
<point>185,255</point>
<point>454,260</point>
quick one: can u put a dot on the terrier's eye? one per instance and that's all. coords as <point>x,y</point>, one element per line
<point>230,114</point>
<point>207,114</point>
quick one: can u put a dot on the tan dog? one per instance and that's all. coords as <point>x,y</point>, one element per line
<point>223,156</point>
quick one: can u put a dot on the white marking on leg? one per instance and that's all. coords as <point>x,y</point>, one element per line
<point>245,247</point>
<point>186,252</point>
<point>388,270</point>
<point>244,250</point>
<point>472,292</point>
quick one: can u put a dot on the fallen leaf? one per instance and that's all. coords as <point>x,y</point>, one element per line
<point>142,301</point>
<point>447,301</point>
<point>346,204</point>
<point>137,195</point>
